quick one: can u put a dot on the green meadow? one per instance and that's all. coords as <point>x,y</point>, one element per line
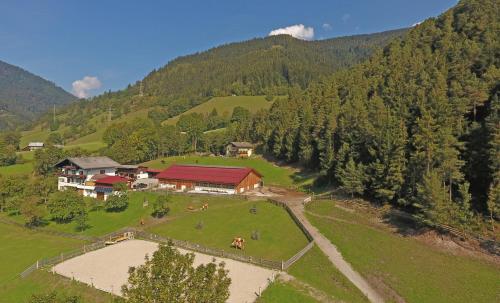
<point>21,247</point>
<point>225,106</point>
<point>279,238</point>
<point>415,271</point>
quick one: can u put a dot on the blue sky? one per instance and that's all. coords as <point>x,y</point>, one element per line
<point>119,42</point>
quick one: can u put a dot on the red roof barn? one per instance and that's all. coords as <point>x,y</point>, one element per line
<point>216,179</point>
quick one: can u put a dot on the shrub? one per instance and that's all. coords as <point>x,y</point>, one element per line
<point>81,221</point>
<point>255,235</point>
<point>32,212</point>
<point>63,206</point>
<point>116,203</point>
<point>253,210</point>
<point>160,206</point>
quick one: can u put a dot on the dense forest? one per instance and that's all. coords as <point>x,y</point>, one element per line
<point>256,67</point>
<point>418,125</point>
<point>24,96</point>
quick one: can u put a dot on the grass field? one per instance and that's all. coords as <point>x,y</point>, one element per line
<point>273,174</point>
<point>279,239</point>
<point>280,292</point>
<point>17,169</point>
<point>19,249</point>
<point>225,106</point>
<point>102,222</point>
<point>316,270</point>
<point>414,270</point>
<point>314,274</point>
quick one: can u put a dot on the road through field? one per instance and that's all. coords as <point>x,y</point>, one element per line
<point>297,207</point>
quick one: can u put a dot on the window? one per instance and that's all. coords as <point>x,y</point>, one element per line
<point>102,171</point>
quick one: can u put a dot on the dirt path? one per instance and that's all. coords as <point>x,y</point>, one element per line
<point>330,250</point>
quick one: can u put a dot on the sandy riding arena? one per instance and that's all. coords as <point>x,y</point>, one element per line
<point>107,269</point>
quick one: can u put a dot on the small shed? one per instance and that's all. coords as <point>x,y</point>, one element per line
<point>34,146</point>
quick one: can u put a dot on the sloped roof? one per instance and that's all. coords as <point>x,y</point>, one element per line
<point>111,180</point>
<point>242,144</point>
<point>126,166</point>
<point>98,177</point>
<point>212,174</point>
<point>35,144</point>
<point>91,162</point>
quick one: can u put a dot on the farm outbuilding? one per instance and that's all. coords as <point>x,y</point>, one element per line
<point>209,179</point>
<point>34,146</point>
<point>239,149</point>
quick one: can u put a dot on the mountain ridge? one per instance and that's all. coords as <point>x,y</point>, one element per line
<point>24,96</point>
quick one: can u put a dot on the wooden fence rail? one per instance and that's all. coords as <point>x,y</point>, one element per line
<point>141,234</point>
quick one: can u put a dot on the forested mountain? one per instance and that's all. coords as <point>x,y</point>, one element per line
<point>256,67</point>
<point>418,125</point>
<point>24,96</point>
<point>260,66</point>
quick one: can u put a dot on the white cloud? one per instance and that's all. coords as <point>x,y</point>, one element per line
<point>327,26</point>
<point>82,87</point>
<point>346,17</point>
<point>298,31</point>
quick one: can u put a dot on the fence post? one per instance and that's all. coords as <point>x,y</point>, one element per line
<point>37,265</point>
<point>282,266</point>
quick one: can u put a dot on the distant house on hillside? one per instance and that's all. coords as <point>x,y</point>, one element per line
<point>34,146</point>
<point>209,179</point>
<point>239,149</point>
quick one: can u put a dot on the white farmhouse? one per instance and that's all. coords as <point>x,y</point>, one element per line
<point>78,173</point>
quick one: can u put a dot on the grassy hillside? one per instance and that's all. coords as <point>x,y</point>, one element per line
<point>225,106</point>
<point>20,248</point>
<point>403,266</point>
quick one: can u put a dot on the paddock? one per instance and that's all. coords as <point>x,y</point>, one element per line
<point>107,269</point>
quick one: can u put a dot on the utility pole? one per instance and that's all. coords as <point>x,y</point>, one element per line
<point>141,91</point>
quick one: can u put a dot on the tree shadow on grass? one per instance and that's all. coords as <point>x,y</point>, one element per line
<point>405,224</point>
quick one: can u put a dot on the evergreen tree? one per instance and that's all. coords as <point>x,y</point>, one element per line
<point>352,177</point>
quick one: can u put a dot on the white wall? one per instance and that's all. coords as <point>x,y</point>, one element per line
<point>229,191</point>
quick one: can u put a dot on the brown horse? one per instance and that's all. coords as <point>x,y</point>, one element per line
<point>238,243</point>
